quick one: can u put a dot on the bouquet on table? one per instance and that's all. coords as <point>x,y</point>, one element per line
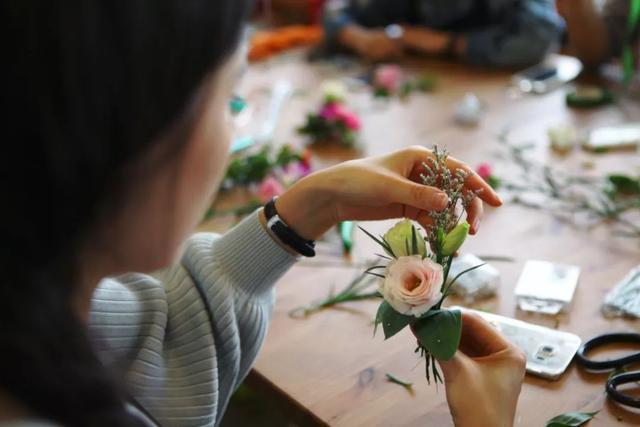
<point>388,80</point>
<point>415,282</point>
<point>334,122</point>
<point>266,174</point>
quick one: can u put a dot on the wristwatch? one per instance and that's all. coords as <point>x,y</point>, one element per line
<point>394,32</point>
<point>285,233</point>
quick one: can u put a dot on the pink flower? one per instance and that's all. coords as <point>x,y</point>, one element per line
<point>387,77</point>
<point>330,111</point>
<point>412,285</point>
<point>485,171</point>
<point>269,188</point>
<point>352,121</point>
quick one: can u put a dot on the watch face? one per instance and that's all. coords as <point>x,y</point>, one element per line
<point>394,31</point>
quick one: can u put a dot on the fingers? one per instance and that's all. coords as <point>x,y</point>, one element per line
<point>403,191</point>
<point>410,165</point>
<point>453,367</point>
<point>474,215</point>
<point>479,337</point>
<point>476,183</point>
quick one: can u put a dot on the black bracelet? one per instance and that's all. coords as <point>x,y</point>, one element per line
<point>285,233</point>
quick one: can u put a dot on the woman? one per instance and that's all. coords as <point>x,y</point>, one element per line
<point>119,137</point>
<point>499,33</point>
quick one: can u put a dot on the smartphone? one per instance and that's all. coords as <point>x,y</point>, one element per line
<point>621,137</point>
<point>549,352</point>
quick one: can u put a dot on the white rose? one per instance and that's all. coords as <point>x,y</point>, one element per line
<point>412,285</point>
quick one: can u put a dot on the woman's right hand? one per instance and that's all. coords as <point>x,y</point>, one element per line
<point>484,378</point>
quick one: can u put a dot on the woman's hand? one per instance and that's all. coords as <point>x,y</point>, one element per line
<point>372,189</point>
<point>484,378</point>
<point>374,44</point>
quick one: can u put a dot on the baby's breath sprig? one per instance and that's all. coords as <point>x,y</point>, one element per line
<point>437,174</point>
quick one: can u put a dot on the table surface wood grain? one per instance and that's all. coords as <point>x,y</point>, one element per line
<point>328,368</point>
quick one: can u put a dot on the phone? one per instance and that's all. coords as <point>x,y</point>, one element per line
<point>549,352</point>
<point>614,137</point>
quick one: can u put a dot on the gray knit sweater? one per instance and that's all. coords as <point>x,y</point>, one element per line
<point>183,339</point>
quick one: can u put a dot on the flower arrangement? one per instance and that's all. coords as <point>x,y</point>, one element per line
<point>334,122</point>
<point>388,80</point>
<point>266,174</point>
<point>415,281</point>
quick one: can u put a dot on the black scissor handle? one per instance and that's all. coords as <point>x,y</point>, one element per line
<point>622,398</point>
<point>614,338</point>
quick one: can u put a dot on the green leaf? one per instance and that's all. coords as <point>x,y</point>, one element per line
<point>439,332</point>
<point>393,379</point>
<point>381,242</point>
<point>571,419</point>
<point>414,241</point>
<point>624,184</point>
<point>392,321</point>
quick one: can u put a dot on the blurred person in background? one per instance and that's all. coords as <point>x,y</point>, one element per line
<point>500,33</point>
<point>597,34</point>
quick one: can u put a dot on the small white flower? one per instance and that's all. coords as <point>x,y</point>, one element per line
<point>334,90</point>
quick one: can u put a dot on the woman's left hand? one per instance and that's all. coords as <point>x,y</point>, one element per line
<point>372,189</point>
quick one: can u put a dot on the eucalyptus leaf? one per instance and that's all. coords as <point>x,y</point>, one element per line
<point>571,419</point>
<point>440,332</point>
<point>392,321</point>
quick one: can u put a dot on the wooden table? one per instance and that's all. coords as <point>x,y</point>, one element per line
<point>327,369</point>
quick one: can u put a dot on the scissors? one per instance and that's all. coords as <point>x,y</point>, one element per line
<point>615,380</point>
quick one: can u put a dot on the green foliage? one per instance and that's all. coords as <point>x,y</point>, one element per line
<point>623,185</point>
<point>439,332</point>
<point>571,419</point>
<point>392,321</point>
<point>393,379</point>
<point>256,167</point>
<point>320,130</point>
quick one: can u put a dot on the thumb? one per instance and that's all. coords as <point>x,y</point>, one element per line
<point>453,367</point>
<point>419,196</point>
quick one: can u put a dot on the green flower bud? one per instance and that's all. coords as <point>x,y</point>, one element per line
<point>400,239</point>
<point>455,239</point>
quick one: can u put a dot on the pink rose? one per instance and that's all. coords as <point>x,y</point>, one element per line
<point>269,188</point>
<point>485,171</point>
<point>352,121</point>
<point>330,111</point>
<point>412,285</point>
<point>387,77</point>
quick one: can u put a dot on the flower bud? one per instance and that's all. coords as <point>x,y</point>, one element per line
<point>400,239</point>
<point>454,240</point>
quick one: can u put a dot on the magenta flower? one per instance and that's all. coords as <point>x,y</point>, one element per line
<point>352,122</point>
<point>330,111</point>
<point>269,188</point>
<point>387,77</point>
<point>485,171</point>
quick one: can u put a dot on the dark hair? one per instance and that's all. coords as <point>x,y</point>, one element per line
<point>88,87</point>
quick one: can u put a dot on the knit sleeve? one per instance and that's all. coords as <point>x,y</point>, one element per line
<point>185,338</point>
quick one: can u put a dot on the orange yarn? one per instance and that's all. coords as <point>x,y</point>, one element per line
<point>267,43</point>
